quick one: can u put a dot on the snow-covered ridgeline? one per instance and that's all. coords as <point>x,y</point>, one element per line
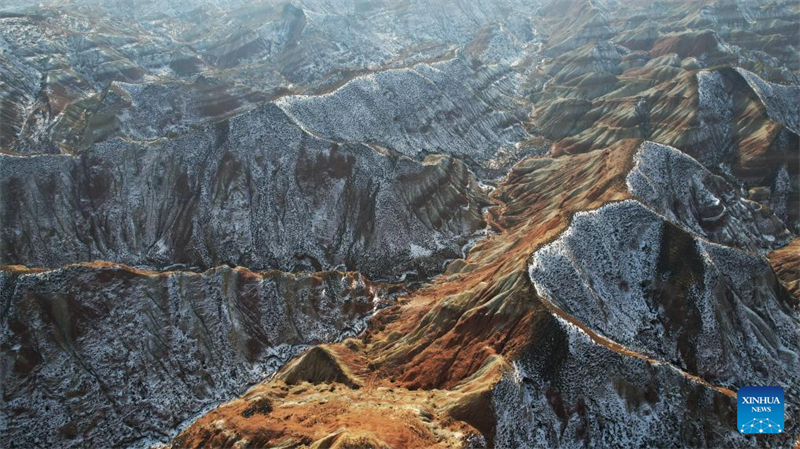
<point>644,273</point>
<point>687,194</point>
<point>781,102</point>
<point>430,108</point>
<point>255,191</point>
<point>637,279</point>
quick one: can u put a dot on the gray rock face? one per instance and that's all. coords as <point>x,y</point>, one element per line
<point>105,355</point>
<point>642,309</point>
<point>575,393</point>
<point>60,59</point>
<point>713,311</point>
<point>680,188</point>
<point>255,191</point>
<point>781,102</point>
<point>444,107</point>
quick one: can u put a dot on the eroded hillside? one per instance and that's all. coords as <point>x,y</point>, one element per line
<point>337,224</point>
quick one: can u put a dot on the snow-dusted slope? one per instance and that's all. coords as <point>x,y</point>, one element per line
<point>641,309</point>
<point>431,108</point>
<point>570,392</point>
<point>255,191</point>
<point>308,135</point>
<point>781,102</point>
<point>643,282</point>
<point>98,355</point>
<point>680,188</point>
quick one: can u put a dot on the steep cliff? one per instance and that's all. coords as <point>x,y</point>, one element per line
<point>99,354</point>
<point>256,191</point>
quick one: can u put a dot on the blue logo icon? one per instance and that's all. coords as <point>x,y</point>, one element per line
<point>760,409</point>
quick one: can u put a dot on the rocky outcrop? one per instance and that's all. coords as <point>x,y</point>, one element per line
<point>780,101</point>
<point>734,123</point>
<point>318,365</point>
<point>255,191</point>
<point>570,391</point>
<point>746,130</point>
<point>108,355</point>
<point>444,107</point>
<point>655,311</point>
<point>277,414</point>
<point>678,187</point>
<point>786,263</point>
<point>439,352</point>
<point>673,323</point>
<point>660,291</point>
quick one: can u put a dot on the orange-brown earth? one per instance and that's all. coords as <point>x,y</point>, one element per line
<point>423,372</point>
<point>786,263</point>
